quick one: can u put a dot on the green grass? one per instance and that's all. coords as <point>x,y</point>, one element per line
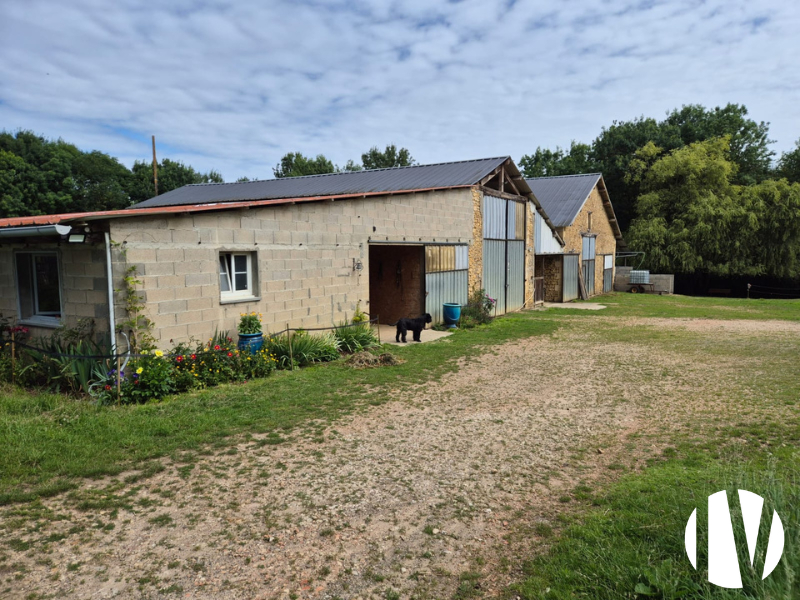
<point>630,543</point>
<point>50,442</point>
<point>650,305</point>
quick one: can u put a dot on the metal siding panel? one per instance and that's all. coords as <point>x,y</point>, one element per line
<point>447,258</point>
<point>515,297</point>
<point>449,286</point>
<point>494,272</point>
<point>607,281</point>
<point>511,221</point>
<point>494,218</point>
<point>462,257</point>
<point>570,282</point>
<point>538,241</point>
<point>544,240</point>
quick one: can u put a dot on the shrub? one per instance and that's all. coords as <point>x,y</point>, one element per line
<point>354,338</point>
<point>249,323</point>
<point>478,310</point>
<point>305,349</point>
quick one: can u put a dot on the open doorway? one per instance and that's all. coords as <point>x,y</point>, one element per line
<point>396,281</point>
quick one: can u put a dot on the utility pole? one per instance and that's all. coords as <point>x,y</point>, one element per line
<point>155,166</point>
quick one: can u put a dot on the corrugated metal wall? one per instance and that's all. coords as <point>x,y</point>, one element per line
<point>515,290</point>
<point>544,240</point>
<point>608,282</point>
<point>494,218</point>
<point>446,278</point>
<point>504,252</point>
<point>449,286</point>
<point>494,272</point>
<point>570,281</point>
<point>588,276</point>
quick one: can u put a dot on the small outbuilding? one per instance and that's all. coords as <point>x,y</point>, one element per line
<point>583,217</point>
<point>302,251</point>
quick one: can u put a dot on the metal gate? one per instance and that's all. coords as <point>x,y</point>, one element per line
<point>570,281</point>
<point>504,252</point>
<point>588,263</point>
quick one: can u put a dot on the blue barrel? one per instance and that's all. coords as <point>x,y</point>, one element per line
<point>251,342</point>
<point>451,313</point>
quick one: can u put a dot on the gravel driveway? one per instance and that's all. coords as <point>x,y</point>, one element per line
<point>452,483</point>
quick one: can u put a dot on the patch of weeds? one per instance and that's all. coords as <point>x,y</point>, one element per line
<point>564,499</point>
<point>391,594</point>
<point>161,520</point>
<point>173,589</point>
<point>328,532</point>
<point>324,571</point>
<point>19,544</point>
<point>74,567</point>
<point>468,585</point>
<point>544,530</point>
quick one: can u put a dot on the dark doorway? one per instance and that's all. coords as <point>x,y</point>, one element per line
<point>396,282</point>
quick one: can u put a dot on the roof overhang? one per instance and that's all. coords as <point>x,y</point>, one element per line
<point>612,217</point>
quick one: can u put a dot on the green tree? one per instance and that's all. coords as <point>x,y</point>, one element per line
<point>550,163</point>
<point>172,174</point>
<point>749,140</point>
<point>294,164</point>
<point>690,216</point>
<point>789,164</point>
<point>388,158</point>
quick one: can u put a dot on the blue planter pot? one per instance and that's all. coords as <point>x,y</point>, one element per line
<point>451,313</point>
<point>251,342</point>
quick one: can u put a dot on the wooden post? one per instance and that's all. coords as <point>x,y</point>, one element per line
<point>289,339</point>
<point>155,166</point>
<point>378,327</point>
<point>119,393</point>
<point>13,355</point>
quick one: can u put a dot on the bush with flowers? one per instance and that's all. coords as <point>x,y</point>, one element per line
<point>249,323</point>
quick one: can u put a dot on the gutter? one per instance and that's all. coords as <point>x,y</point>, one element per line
<point>109,277</point>
<point>33,230</point>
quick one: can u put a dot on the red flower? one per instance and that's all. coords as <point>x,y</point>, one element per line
<point>108,387</point>
<point>194,356</point>
<point>216,347</point>
<point>230,353</point>
<point>179,359</point>
<point>135,381</point>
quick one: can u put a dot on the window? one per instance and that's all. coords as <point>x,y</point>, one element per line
<point>236,277</point>
<point>39,287</point>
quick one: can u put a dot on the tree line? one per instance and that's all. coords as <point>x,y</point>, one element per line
<point>697,192</point>
<point>40,176</point>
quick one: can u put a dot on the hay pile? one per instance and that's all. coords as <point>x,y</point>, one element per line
<point>366,360</point>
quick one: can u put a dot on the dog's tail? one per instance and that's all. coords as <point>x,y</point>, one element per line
<point>393,324</point>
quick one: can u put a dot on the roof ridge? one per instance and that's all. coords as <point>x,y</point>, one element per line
<point>452,162</point>
<point>563,176</point>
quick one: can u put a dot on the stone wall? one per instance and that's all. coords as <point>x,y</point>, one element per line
<point>530,258</point>
<point>305,254</point>
<point>553,272</point>
<point>476,248</point>
<point>605,243</point>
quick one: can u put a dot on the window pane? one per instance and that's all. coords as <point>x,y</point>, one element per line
<point>48,292</point>
<point>239,263</point>
<point>224,280</point>
<point>241,282</point>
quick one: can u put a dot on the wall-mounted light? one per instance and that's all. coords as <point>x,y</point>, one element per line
<point>358,266</point>
<point>76,238</point>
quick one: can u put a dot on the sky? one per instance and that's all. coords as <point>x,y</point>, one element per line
<point>233,86</point>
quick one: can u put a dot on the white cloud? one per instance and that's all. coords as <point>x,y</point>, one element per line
<point>233,87</point>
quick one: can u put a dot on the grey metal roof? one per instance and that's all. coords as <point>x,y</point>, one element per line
<point>418,177</point>
<point>563,197</point>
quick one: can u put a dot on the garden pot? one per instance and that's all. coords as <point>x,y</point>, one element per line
<point>451,313</point>
<point>251,342</point>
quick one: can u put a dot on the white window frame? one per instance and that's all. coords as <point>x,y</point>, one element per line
<point>42,319</point>
<point>229,260</point>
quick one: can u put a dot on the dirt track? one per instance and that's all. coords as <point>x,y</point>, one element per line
<point>465,475</point>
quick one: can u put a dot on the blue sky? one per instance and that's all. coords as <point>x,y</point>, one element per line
<point>234,86</point>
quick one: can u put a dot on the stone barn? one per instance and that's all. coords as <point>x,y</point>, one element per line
<point>303,251</point>
<point>581,211</point>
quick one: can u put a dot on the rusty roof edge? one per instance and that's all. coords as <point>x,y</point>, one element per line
<point>609,208</point>
<point>192,208</point>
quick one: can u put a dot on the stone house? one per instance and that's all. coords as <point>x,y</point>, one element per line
<point>581,211</point>
<point>302,251</point>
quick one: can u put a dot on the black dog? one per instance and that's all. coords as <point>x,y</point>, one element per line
<point>415,325</point>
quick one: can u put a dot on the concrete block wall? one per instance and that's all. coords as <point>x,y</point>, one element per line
<point>84,291</point>
<point>605,242</point>
<point>305,254</point>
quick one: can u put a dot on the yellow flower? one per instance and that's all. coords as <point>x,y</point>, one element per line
<point>139,370</point>
<point>158,353</point>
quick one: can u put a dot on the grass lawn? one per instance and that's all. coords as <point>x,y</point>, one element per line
<point>624,541</point>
